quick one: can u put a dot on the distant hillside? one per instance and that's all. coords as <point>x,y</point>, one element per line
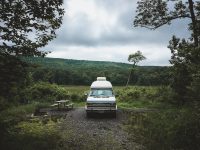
<point>81,72</point>
<point>71,63</point>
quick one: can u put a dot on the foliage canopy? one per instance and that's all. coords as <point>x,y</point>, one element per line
<point>185,57</point>
<point>136,57</point>
<point>153,14</point>
<point>27,25</point>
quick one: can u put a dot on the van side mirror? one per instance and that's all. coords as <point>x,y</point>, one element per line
<point>115,94</point>
<point>86,93</point>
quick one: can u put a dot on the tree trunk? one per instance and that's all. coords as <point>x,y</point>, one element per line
<point>194,25</point>
<point>129,77</point>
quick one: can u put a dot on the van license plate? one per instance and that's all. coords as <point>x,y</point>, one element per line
<point>101,111</point>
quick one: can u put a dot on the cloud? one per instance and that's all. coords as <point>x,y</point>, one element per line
<point>103,30</point>
<point>157,55</point>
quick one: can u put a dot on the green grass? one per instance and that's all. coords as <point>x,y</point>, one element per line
<point>79,104</point>
<point>77,89</point>
<point>138,104</point>
<point>170,128</point>
<point>20,112</point>
<point>127,97</point>
<point>21,109</point>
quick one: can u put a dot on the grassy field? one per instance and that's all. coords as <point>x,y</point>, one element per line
<point>127,97</point>
<point>77,89</point>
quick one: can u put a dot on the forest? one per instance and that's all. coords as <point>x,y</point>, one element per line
<point>82,72</point>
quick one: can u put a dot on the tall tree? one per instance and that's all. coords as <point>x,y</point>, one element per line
<point>185,57</point>
<point>153,14</point>
<point>27,25</point>
<point>135,58</point>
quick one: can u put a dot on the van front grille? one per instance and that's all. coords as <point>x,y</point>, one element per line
<point>101,104</point>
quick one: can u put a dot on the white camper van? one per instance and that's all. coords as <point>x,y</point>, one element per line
<point>101,98</point>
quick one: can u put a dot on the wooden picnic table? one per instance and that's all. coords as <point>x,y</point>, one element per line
<point>63,104</point>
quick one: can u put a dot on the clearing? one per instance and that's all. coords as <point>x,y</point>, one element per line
<point>100,131</point>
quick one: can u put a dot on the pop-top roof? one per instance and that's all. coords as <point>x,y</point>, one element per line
<point>101,78</point>
<point>101,83</point>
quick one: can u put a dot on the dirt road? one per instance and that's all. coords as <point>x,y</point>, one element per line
<point>97,132</point>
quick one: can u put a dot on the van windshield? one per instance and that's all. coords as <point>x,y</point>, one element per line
<point>101,92</point>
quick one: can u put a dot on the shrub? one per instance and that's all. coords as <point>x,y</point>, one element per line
<point>172,129</point>
<point>3,103</point>
<point>133,94</point>
<point>45,92</point>
<point>130,94</point>
<point>11,117</point>
<point>15,114</point>
<point>75,97</point>
<point>19,131</point>
<point>165,94</point>
<point>33,135</point>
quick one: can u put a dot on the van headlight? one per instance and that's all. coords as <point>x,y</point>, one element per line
<point>88,104</point>
<point>113,104</point>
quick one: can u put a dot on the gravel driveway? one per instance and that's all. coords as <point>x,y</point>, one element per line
<point>100,131</point>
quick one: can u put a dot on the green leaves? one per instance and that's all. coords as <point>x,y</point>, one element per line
<point>136,57</point>
<point>185,53</point>
<point>45,92</point>
<point>166,129</point>
<point>12,75</point>
<point>27,25</point>
<point>153,14</point>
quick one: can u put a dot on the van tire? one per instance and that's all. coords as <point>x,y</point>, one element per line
<point>114,114</point>
<point>88,115</point>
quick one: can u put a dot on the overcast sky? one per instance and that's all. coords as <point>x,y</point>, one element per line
<point>103,30</point>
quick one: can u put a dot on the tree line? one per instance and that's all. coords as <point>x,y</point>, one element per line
<point>80,72</point>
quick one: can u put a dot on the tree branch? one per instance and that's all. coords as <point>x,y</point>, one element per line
<point>166,22</point>
<point>193,17</point>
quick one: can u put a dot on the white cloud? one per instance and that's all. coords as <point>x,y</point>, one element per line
<point>158,55</point>
<point>102,30</point>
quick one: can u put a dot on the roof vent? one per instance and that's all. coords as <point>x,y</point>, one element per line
<point>101,78</point>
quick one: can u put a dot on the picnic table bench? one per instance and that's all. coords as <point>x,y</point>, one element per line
<point>65,104</point>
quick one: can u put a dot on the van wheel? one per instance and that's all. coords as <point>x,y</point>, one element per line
<point>114,114</point>
<point>88,114</point>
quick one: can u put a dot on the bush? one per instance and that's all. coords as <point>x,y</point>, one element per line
<point>45,92</point>
<point>11,117</point>
<point>75,97</point>
<point>172,129</point>
<point>33,135</point>
<point>78,97</point>
<point>130,94</point>
<point>20,131</point>
<point>3,103</point>
<point>13,77</point>
<point>165,94</point>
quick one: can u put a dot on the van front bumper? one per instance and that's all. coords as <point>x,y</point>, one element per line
<point>101,109</point>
